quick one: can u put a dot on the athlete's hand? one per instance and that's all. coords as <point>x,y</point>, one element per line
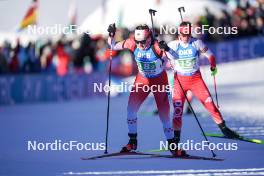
<point>163,45</point>
<point>213,71</point>
<point>111,29</point>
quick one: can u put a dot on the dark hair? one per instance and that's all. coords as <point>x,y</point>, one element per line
<point>185,23</point>
<point>142,27</point>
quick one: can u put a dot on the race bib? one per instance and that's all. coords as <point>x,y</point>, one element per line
<point>187,64</point>
<point>146,66</point>
<point>150,68</point>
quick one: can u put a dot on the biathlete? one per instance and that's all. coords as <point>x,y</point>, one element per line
<point>184,53</point>
<point>151,73</point>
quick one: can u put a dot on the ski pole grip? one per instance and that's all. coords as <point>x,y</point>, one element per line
<point>181,9</point>
<point>152,12</point>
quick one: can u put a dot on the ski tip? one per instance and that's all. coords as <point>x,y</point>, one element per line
<point>241,138</point>
<point>214,135</point>
<point>257,141</point>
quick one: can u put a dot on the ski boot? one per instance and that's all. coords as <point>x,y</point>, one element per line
<point>227,131</point>
<point>177,136</point>
<point>131,145</point>
<point>175,150</point>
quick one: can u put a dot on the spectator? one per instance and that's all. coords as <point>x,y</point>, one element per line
<point>3,62</point>
<point>14,64</point>
<point>260,26</point>
<point>63,60</point>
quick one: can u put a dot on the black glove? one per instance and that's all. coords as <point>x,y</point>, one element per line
<point>111,29</point>
<point>163,45</point>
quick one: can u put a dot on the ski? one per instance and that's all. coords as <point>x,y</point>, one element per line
<point>151,155</point>
<point>114,154</point>
<point>191,157</point>
<point>241,138</point>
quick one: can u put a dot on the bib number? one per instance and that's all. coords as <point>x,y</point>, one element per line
<point>150,69</point>
<point>146,66</point>
<point>187,63</point>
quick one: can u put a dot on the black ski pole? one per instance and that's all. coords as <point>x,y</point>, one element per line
<point>152,13</point>
<point>108,97</point>
<point>180,9</point>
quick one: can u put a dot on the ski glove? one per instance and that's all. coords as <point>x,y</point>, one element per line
<point>163,45</point>
<point>111,29</point>
<point>213,71</point>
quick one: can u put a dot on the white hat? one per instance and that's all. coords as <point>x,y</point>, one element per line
<point>141,34</point>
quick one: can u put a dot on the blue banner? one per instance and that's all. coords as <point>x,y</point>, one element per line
<point>42,87</point>
<point>235,50</point>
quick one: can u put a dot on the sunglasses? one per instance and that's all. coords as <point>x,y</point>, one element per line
<point>141,42</point>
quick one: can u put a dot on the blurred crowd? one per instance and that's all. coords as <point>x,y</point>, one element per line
<point>246,15</point>
<point>64,56</point>
<point>86,54</point>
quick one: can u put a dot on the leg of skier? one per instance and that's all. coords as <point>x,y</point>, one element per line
<point>162,101</point>
<point>136,98</point>
<point>178,104</point>
<point>201,91</point>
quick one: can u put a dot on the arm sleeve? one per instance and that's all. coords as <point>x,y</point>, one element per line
<point>125,44</point>
<point>212,61</point>
<point>204,50</point>
<point>171,54</point>
<point>129,44</point>
<point>157,49</point>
